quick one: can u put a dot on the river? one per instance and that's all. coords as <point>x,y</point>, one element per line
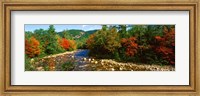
<point>79,56</point>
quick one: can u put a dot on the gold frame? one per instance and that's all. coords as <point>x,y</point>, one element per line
<point>8,6</point>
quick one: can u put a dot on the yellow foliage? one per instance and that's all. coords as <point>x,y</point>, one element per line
<point>72,44</point>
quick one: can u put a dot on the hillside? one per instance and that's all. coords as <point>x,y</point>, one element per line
<point>77,34</point>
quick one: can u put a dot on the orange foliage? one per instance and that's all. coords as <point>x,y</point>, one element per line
<point>130,45</point>
<point>64,43</point>
<point>167,45</point>
<point>59,41</point>
<point>159,38</point>
<point>32,47</point>
<point>51,62</point>
<point>90,41</point>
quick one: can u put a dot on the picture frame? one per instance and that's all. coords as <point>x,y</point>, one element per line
<point>101,5</point>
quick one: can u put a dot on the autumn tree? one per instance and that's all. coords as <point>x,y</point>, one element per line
<point>130,46</point>
<point>72,44</point>
<point>32,47</point>
<point>65,44</point>
<point>166,45</point>
<point>104,41</point>
<point>112,40</point>
<point>90,42</point>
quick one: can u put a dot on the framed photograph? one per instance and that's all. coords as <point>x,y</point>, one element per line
<point>100,46</point>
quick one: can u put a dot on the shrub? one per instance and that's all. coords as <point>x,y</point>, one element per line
<point>68,66</point>
<point>28,64</point>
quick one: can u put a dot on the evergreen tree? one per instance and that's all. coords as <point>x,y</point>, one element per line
<point>52,45</point>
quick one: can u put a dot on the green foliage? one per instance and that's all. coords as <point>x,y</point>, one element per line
<point>79,36</point>
<point>28,64</point>
<point>52,46</point>
<point>28,34</point>
<point>69,34</point>
<point>122,30</point>
<point>107,43</point>
<point>145,39</point>
<point>104,27</point>
<point>137,43</point>
<point>46,67</point>
<point>66,35</point>
<point>90,32</point>
<point>68,66</point>
<point>48,40</point>
<point>116,56</point>
<point>104,42</point>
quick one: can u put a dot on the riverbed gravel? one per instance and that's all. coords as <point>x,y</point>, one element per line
<point>85,63</point>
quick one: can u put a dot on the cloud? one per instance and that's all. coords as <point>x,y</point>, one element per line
<point>84,26</point>
<point>90,27</point>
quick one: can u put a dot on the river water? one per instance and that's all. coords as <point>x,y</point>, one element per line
<point>81,53</point>
<point>79,56</point>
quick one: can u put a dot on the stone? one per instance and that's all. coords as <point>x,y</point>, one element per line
<point>39,68</point>
<point>84,59</point>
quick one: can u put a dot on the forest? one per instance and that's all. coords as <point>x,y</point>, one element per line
<point>111,48</point>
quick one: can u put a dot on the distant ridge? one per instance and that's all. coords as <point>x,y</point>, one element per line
<point>76,34</point>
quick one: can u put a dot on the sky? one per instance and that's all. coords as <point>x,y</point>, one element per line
<point>61,27</point>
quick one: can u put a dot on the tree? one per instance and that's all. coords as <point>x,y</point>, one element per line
<point>51,29</point>
<point>112,40</point>
<point>28,34</point>
<point>52,46</point>
<point>104,42</point>
<point>32,47</point>
<point>90,42</point>
<point>104,27</point>
<point>166,45</point>
<point>65,44</point>
<point>130,46</point>
<point>72,44</point>
<point>122,31</point>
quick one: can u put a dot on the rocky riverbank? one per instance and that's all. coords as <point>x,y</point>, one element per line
<point>84,63</point>
<point>52,62</point>
<point>111,65</point>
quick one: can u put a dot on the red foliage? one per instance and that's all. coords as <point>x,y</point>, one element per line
<point>166,45</point>
<point>64,43</point>
<point>158,38</point>
<point>130,45</point>
<point>32,47</point>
